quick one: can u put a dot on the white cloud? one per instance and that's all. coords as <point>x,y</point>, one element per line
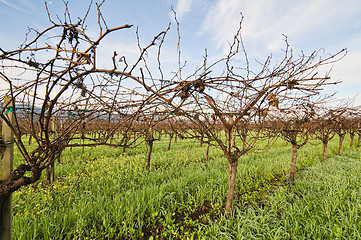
<point>15,6</point>
<point>266,20</point>
<point>347,70</point>
<point>183,7</point>
<point>308,24</point>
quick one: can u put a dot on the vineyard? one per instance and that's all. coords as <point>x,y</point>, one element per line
<point>126,149</point>
<point>110,196</point>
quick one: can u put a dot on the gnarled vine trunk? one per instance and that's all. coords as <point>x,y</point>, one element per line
<point>207,151</point>
<point>340,142</point>
<point>232,175</point>
<point>352,137</point>
<point>170,141</point>
<point>325,147</point>
<point>149,154</point>
<point>294,161</point>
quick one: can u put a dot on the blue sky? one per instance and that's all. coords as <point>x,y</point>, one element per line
<point>211,24</point>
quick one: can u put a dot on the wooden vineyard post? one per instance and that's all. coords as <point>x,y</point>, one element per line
<point>51,168</point>
<point>6,168</point>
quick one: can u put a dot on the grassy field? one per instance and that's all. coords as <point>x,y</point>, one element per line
<point>104,195</point>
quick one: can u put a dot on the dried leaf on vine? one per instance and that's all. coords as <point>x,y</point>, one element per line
<point>273,100</point>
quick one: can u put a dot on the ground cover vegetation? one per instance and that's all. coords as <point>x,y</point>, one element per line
<point>108,195</point>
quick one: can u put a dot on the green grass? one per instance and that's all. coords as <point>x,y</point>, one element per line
<point>110,196</point>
